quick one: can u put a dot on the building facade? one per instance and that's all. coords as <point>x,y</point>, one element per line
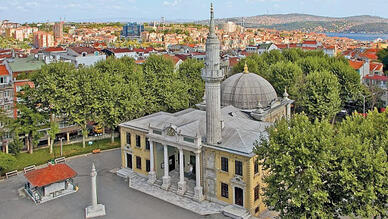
<point>132,30</point>
<point>208,153</point>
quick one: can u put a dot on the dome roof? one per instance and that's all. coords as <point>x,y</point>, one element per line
<point>244,90</point>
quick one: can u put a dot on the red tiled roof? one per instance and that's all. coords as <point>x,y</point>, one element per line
<point>80,50</point>
<point>371,56</point>
<point>173,58</point>
<point>356,64</point>
<point>233,61</point>
<point>374,66</point>
<point>23,83</point>
<point>54,49</point>
<point>308,48</point>
<point>376,77</point>
<point>120,50</point>
<point>311,42</point>
<point>282,46</point>
<point>50,174</point>
<point>3,70</point>
<point>182,56</point>
<point>5,56</point>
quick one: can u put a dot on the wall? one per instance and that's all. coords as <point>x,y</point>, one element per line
<point>134,150</point>
<point>249,179</point>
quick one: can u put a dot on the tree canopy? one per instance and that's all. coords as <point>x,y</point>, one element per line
<point>317,170</point>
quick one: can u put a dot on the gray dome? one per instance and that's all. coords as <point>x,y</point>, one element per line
<point>244,90</point>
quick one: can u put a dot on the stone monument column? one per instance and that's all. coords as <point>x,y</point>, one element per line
<point>94,210</point>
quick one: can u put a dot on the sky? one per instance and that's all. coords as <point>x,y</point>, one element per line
<point>147,10</point>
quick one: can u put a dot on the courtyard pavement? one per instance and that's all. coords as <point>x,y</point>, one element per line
<point>119,200</point>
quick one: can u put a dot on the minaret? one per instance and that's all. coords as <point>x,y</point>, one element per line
<point>212,75</point>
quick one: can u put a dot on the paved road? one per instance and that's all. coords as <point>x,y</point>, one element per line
<point>119,200</point>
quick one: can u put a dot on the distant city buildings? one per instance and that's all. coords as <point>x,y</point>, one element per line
<point>229,27</point>
<point>132,30</point>
<point>58,31</point>
<point>43,39</point>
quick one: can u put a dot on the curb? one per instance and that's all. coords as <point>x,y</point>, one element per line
<point>68,158</point>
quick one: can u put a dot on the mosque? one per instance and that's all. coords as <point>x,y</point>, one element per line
<point>207,153</point>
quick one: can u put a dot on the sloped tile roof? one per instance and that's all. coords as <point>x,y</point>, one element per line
<point>51,174</point>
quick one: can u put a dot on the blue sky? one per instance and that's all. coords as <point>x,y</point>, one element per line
<point>77,10</point>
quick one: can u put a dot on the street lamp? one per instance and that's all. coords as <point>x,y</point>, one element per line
<point>363,110</point>
<point>61,139</point>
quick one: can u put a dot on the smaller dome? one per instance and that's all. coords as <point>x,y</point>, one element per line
<point>244,90</point>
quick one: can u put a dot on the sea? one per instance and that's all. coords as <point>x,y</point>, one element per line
<point>359,36</point>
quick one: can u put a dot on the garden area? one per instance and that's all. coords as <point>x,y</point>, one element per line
<point>42,156</point>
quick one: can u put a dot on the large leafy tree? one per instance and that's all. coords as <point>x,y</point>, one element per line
<point>50,93</point>
<point>383,57</point>
<point>286,75</point>
<point>163,89</point>
<point>29,122</point>
<point>317,170</point>
<point>82,105</point>
<point>297,157</point>
<point>190,73</point>
<point>119,94</point>
<point>320,96</point>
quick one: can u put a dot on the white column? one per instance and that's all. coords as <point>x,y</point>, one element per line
<point>288,111</point>
<point>94,210</point>
<point>166,177</point>
<point>181,183</point>
<point>198,195</point>
<point>152,156</point>
<point>93,175</point>
<point>151,174</point>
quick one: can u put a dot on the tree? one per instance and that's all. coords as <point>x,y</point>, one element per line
<point>296,157</point>
<point>286,75</point>
<point>313,63</point>
<point>348,79</point>
<point>383,57</point>
<point>190,73</point>
<point>318,170</point>
<point>163,89</point>
<point>118,86</point>
<point>7,161</point>
<point>82,105</point>
<point>29,122</point>
<point>320,96</point>
<point>255,64</point>
<point>50,93</point>
<point>360,176</point>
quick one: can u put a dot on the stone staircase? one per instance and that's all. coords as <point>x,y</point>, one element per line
<point>236,212</point>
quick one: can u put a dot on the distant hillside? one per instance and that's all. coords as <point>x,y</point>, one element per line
<point>306,22</point>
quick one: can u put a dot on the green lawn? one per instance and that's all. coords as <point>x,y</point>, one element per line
<point>42,156</point>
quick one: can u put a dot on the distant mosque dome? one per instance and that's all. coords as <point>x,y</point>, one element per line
<point>244,91</point>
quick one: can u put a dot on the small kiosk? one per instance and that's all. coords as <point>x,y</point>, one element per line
<point>50,182</point>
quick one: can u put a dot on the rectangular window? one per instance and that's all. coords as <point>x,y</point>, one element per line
<point>128,138</point>
<point>224,164</point>
<point>137,141</point>
<point>191,140</point>
<point>157,132</point>
<point>257,192</point>
<point>138,162</point>
<point>256,166</point>
<point>238,167</point>
<point>147,144</point>
<point>224,190</point>
<point>148,166</point>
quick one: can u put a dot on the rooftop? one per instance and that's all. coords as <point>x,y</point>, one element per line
<point>51,174</point>
<point>26,64</point>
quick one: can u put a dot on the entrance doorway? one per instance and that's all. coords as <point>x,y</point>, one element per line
<point>129,161</point>
<point>171,163</point>
<point>238,196</point>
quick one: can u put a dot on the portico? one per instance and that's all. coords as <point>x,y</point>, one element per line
<point>177,150</point>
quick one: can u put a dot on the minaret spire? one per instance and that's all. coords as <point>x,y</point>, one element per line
<point>212,31</point>
<point>212,75</point>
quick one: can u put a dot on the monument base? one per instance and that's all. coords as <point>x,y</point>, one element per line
<point>91,212</point>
